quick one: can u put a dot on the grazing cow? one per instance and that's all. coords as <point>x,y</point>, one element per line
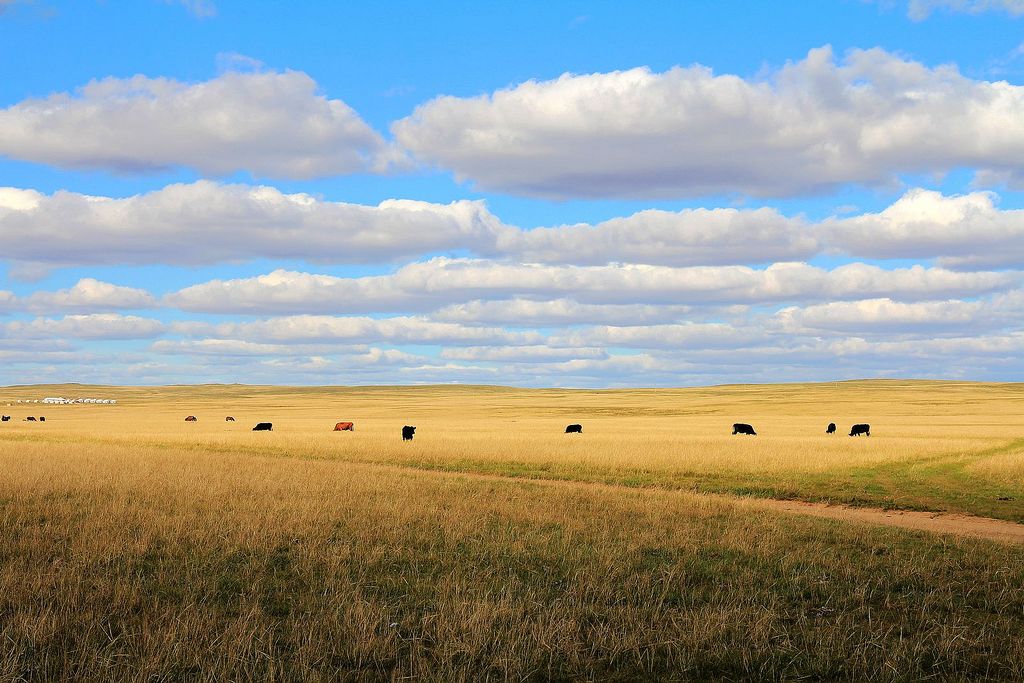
<point>345,427</point>
<point>831,429</point>
<point>191,418</point>
<point>264,427</point>
<point>857,430</point>
<point>30,419</point>
<point>407,433</point>
<point>741,428</point>
<point>229,419</point>
<point>5,418</point>
<point>574,429</point>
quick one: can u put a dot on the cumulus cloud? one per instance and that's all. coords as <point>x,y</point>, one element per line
<point>8,301</point>
<point>90,295</point>
<point>271,124</point>
<point>441,281</point>
<point>808,127</point>
<point>88,326</point>
<point>885,315</point>
<point>206,222</point>
<point>531,354</point>
<point>687,336</point>
<point>688,237</point>
<point>560,312</point>
<point>356,330</point>
<point>223,348</point>
<point>963,231</point>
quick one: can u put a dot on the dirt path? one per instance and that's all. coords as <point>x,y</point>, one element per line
<point>971,526</point>
<point>934,522</point>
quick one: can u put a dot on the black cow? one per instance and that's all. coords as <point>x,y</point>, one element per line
<point>741,428</point>
<point>264,427</point>
<point>229,419</point>
<point>5,418</point>
<point>407,433</point>
<point>831,429</point>
<point>857,430</point>
<point>42,419</point>
<point>30,419</point>
<point>574,429</point>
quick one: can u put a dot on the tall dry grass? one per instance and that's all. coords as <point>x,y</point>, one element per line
<point>134,546</point>
<point>935,446</point>
<point>141,563</point>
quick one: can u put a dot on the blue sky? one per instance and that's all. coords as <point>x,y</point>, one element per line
<point>769,191</point>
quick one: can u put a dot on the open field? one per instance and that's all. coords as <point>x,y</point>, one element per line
<point>134,545</point>
<point>941,446</point>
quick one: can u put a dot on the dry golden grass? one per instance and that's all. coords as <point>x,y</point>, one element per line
<point>934,446</point>
<point>134,546</point>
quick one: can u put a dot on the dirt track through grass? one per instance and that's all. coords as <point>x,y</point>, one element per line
<point>969,526</point>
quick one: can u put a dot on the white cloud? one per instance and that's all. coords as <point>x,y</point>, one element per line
<point>688,237</point>
<point>356,330</point>
<point>682,336</point>
<point>884,315</point>
<point>808,127</point>
<point>272,124</point>
<point>241,348</point>
<point>206,222</point>
<point>919,10</point>
<point>8,301</point>
<point>917,353</point>
<point>529,354</point>
<point>964,231</point>
<point>559,312</point>
<point>89,295</point>
<point>90,326</point>
<point>441,281</point>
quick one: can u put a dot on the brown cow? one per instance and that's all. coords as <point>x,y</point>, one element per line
<point>345,427</point>
<point>191,418</point>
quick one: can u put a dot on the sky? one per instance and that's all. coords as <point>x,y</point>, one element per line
<point>578,194</point>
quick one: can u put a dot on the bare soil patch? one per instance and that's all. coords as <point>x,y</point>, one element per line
<point>934,522</point>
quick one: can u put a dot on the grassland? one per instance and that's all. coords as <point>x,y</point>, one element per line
<point>135,546</point>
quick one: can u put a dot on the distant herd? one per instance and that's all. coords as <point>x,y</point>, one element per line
<point>743,428</point>
<point>408,431</point>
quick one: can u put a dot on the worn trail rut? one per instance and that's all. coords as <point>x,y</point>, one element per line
<point>1000,530</point>
<point>935,522</point>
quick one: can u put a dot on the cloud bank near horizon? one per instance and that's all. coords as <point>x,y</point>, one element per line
<point>226,259</point>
